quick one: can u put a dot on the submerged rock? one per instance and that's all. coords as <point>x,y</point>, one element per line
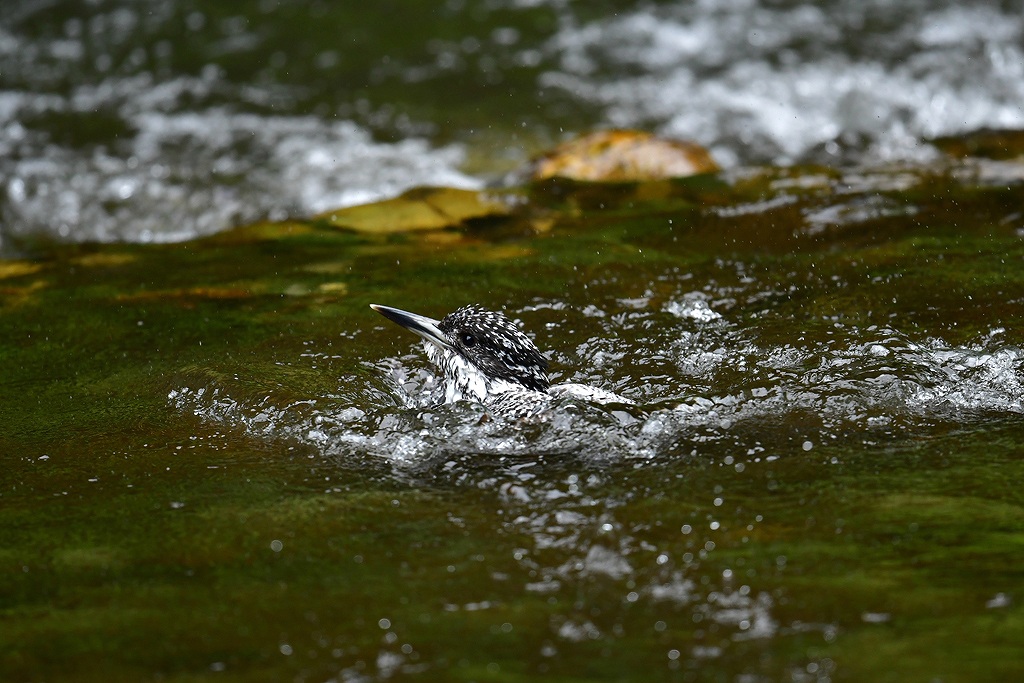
<point>423,208</point>
<point>613,156</point>
<point>622,156</point>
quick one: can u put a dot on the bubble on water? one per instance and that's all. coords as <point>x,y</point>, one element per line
<point>579,632</point>
<point>694,306</point>
<point>719,389</point>
<point>999,600</point>
<point>388,663</point>
<point>605,561</point>
<point>675,589</point>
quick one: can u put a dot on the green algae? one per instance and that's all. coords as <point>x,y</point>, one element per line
<point>144,541</point>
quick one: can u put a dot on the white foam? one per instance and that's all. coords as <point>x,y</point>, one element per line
<point>190,173</point>
<point>692,305</point>
<point>753,80</point>
<point>762,82</point>
<point>874,379</point>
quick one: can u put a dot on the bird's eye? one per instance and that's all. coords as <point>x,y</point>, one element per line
<point>467,339</point>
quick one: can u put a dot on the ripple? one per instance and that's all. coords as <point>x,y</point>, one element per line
<point>761,81</point>
<point>732,397</point>
<point>178,175</point>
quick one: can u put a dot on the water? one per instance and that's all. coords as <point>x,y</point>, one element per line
<point>632,524</point>
<point>221,437</point>
<point>781,81</point>
<point>160,121</point>
<point>708,382</point>
<point>218,462</point>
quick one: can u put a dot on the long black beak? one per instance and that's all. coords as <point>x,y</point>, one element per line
<point>420,324</point>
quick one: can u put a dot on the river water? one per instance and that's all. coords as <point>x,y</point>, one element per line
<point>149,120</point>
<point>218,463</point>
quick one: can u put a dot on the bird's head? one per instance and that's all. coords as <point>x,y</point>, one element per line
<point>474,338</point>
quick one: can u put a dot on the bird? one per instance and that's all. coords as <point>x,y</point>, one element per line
<point>485,357</point>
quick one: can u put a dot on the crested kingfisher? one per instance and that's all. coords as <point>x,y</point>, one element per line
<point>485,357</point>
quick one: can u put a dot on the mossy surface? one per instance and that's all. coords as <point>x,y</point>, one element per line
<point>144,541</point>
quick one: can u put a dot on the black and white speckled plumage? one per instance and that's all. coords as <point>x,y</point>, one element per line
<point>495,346</point>
<point>484,356</point>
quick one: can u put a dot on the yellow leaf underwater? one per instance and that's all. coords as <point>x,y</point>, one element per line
<point>617,156</point>
<point>424,208</point>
